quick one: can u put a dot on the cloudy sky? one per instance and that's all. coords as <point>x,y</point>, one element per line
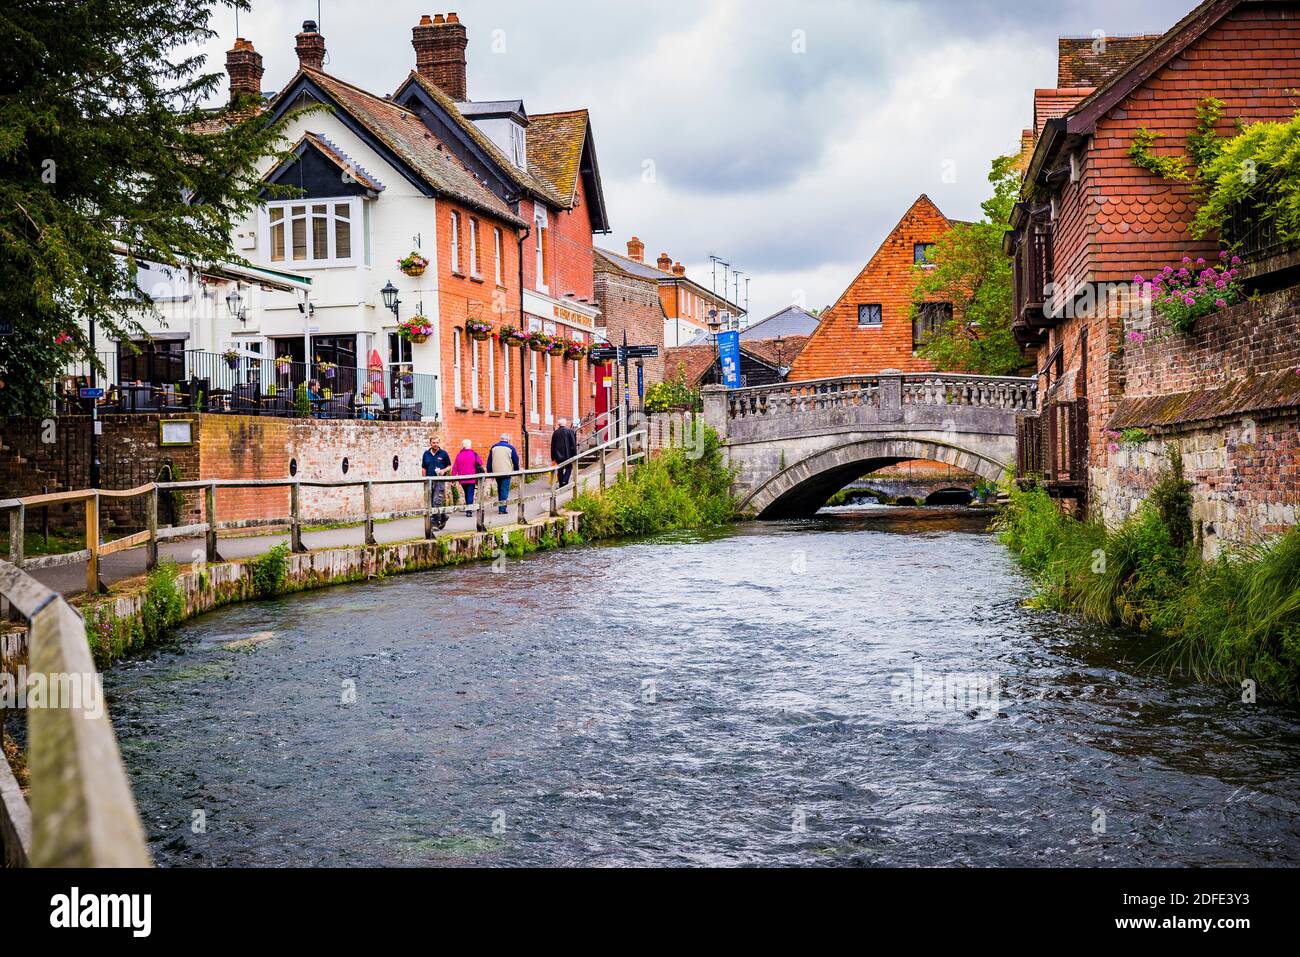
<point>785,136</point>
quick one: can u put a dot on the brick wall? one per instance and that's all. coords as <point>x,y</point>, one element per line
<point>1245,465</point>
<point>129,456</point>
<point>630,305</point>
<point>472,292</point>
<point>840,346</point>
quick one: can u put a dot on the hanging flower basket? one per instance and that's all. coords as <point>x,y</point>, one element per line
<point>511,336</point>
<point>413,265</point>
<point>231,357</point>
<point>417,329</point>
<point>407,378</point>
<point>574,350</point>
<point>478,330</point>
<point>539,341</point>
<point>284,366</point>
<point>555,347</point>
<point>326,369</point>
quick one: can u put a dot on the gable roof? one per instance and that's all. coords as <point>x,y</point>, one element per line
<point>790,321</point>
<point>630,266</point>
<point>696,359</point>
<point>1083,118</point>
<point>1054,104</point>
<point>560,150</point>
<point>400,137</point>
<point>523,180</point>
<point>342,160</point>
<point>1091,61</point>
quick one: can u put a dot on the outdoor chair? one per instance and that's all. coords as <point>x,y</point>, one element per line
<point>339,406</point>
<point>412,412</point>
<point>246,399</point>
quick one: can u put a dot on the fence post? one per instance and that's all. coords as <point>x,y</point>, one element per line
<point>602,467</point>
<point>521,507</point>
<point>428,509</point>
<point>480,514</point>
<point>17,523</point>
<point>370,513</point>
<point>151,519</point>
<point>92,544</point>
<point>555,506</point>
<point>210,511</point>
<point>295,519</point>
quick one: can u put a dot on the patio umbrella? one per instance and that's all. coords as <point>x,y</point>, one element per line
<point>375,366</point>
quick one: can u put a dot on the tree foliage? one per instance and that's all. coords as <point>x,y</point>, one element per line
<point>971,271</point>
<point>105,146</point>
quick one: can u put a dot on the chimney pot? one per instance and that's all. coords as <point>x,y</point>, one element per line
<point>636,249</point>
<point>244,64</point>
<point>310,47</point>
<point>440,53</point>
<point>665,262</point>
<point>679,270</point>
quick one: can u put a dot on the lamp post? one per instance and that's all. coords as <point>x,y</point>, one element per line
<point>235,304</point>
<point>394,304</point>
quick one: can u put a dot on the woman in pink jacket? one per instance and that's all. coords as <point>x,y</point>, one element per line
<point>468,462</point>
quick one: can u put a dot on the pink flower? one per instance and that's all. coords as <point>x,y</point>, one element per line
<point>1187,259</point>
<point>1223,254</point>
<point>1114,447</point>
<point>1200,260</point>
<point>1220,284</point>
<point>1236,260</point>
<point>1137,337</point>
<point>1168,270</point>
<point>1138,279</point>
<point>1189,300</point>
<point>1220,303</point>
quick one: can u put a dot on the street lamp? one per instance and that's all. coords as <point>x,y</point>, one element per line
<point>391,302</point>
<point>234,302</point>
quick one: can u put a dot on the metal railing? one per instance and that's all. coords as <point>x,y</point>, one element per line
<point>923,388</point>
<point>82,813</point>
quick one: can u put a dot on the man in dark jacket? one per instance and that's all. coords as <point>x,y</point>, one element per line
<point>436,461</point>
<point>564,446</point>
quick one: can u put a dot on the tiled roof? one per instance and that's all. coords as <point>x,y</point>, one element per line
<point>790,321</point>
<point>404,133</point>
<point>343,161</point>
<point>1249,395</point>
<point>555,142</point>
<point>695,360</point>
<point>1091,61</point>
<point>524,179</point>
<point>1053,104</point>
<point>766,349</point>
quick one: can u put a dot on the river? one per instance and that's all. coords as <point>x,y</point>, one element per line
<point>742,696</point>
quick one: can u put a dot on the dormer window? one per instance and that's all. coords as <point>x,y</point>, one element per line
<point>518,146</point>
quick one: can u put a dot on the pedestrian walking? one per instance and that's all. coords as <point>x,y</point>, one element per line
<point>468,462</point>
<point>502,459</point>
<point>436,461</point>
<point>564,446</point>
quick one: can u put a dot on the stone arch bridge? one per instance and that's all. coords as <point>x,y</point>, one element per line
<point>794,444</point>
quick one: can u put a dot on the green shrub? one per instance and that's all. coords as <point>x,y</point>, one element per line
<point>271,571</point>
<point>164,604</point>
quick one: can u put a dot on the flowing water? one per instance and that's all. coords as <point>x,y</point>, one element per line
<point>764,694</point>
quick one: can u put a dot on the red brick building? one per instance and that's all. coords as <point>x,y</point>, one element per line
<point>543,166</point>
<point>870,326</point>
<point>1091,219</point>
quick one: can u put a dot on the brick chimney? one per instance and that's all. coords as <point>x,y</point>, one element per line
<point>636,249</point>
<point>244,64</point>
<point>679,270</point>
<point>440,53</point>
<point>310,47</point>
<point>665,262</point>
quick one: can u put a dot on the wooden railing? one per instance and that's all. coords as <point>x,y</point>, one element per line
<point>82,813</point>
<point>1052,447</point>
<point>152,535</point>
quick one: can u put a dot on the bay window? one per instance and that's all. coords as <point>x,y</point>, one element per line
<point>312,232</point>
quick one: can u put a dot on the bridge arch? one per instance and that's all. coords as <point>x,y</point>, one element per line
<point>802,488</point>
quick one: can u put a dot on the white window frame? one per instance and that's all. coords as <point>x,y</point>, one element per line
<point>457,396</point>
<point>473,375</point>
<point>354,220</point>
<point>532,387</point>
<point>550,380</point>
<point>455,241</point>
<point>576,414</point>
<point>500,250</point>
<point>539,231</point>
<point>473,248</point>
<point>505,377</point>
<point>492,376</point>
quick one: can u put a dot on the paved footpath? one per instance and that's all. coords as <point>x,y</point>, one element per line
<point>71,579</point>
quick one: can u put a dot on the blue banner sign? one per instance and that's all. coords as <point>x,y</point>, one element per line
<point>91,393</point>
<point>729,356</point>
